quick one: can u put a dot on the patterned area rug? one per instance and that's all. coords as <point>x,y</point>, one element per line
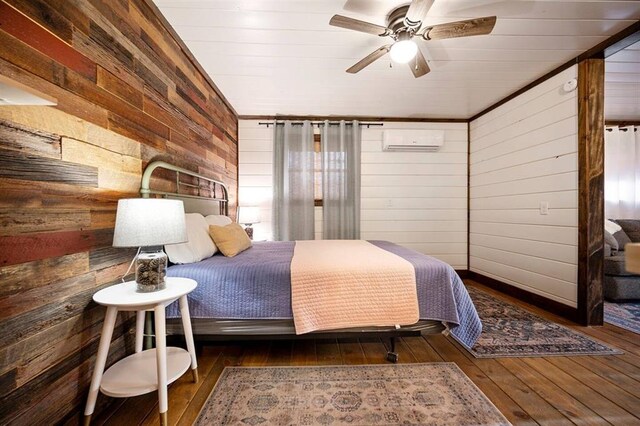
<point>624,315</point>
<point>408,394</point>
<point>510,331</point>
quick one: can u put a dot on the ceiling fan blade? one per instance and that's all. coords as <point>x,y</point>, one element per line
<point>419,65</point>
<point>417,11</point>
<point>471,27</point>
<point>371,7</point>
<point>369,59</point>
<point>358,25</point>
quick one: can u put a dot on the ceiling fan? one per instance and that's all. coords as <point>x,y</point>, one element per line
<point>404,23</point>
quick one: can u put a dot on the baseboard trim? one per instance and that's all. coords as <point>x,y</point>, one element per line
<point>463,273</point>
<point>535,299</point>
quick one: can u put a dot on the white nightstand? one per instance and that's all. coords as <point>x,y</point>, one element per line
<point>137,374</point>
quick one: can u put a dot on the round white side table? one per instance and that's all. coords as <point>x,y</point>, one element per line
<point>137,374</point>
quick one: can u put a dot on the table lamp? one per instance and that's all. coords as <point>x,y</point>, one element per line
<point>150,223</point>
<point>248,216</point>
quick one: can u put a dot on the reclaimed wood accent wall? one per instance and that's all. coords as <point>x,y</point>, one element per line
<point>591,191</point>
<point>128,94</point>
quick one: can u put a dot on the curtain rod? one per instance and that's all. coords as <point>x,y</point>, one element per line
<point>318,123</point>
<point>610,129</point>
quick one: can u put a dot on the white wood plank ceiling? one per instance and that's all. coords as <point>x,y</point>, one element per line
<point>282,57</point>
<point>622,85</point>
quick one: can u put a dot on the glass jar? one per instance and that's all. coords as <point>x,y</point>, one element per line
<point>151,270</point>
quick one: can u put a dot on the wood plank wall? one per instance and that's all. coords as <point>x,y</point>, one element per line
<point>127,95</point>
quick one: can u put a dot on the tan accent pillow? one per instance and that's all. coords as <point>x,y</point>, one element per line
<point>230,239</point>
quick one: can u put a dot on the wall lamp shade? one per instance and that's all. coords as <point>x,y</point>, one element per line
<point>144,222</point>
<point>150,223</point>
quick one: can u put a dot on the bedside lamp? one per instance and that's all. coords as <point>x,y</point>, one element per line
<point>150,223</point>
<point>248,216</point>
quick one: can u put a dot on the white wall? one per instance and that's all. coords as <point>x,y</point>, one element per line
<point>524,153</point>
<point>255,174</point>
<point>418,200</point>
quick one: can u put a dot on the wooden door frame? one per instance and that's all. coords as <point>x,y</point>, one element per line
<point>591,191</point>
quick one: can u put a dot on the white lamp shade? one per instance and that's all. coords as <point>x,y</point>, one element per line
<point>248,215</point>
<point>142,222</point>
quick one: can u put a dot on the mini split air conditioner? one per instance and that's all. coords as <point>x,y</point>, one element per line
<point>412,140</point>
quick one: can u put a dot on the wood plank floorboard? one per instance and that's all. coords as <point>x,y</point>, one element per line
<point>622,333</point>
<point>280,353</point>
<point>582,390</point>
<point>304,352</point>
<point>328,352</point>
<point>573,409</point>
<point>422,350</point>
<point>625,365</point>
<point>603,369</point>
<point>604,407</point>
<point>374,350</point>
<point>256,353</point>
<point>351,352</point>
<point>537,407</point>
<point>403,351</point>
<point>604,387</point>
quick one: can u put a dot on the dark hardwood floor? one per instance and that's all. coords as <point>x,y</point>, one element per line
<point>582,390</point>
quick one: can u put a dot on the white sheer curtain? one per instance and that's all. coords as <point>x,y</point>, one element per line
<point>293,157</point>
<point>341,146</point>
<point>622,172</point>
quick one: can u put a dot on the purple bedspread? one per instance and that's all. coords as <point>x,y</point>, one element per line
<point>256,284</point>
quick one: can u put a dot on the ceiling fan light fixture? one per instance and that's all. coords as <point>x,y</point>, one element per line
<point>403,51</point>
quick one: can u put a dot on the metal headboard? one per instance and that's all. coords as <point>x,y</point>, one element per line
<point>214,187</point>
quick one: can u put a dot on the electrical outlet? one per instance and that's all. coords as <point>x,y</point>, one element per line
<point>544,207</point>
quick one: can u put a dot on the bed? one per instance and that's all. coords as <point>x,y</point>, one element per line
<point>249,296</point>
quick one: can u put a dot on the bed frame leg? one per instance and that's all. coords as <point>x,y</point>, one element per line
<point>392,355</point>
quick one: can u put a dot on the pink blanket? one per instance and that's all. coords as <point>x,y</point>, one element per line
<point>350,283</point>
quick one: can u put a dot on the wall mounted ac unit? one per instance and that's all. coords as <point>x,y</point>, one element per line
<point>412,140</point>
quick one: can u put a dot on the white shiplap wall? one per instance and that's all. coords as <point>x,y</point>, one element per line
<point>418,200</point>
<point>255,174</point>
<point>524,153</point>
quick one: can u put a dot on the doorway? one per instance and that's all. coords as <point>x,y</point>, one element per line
<point>621,284</point>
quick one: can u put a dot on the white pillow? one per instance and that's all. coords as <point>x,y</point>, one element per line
<point>612,227</point>
<point>218,220</point>
<point>199,245</point>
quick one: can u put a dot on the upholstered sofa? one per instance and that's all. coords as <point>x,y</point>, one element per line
<point>620,285</point>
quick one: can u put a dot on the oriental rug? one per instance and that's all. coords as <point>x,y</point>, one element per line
<point>511,331</point>
<point>404,394</point>
<point>624,315</point>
